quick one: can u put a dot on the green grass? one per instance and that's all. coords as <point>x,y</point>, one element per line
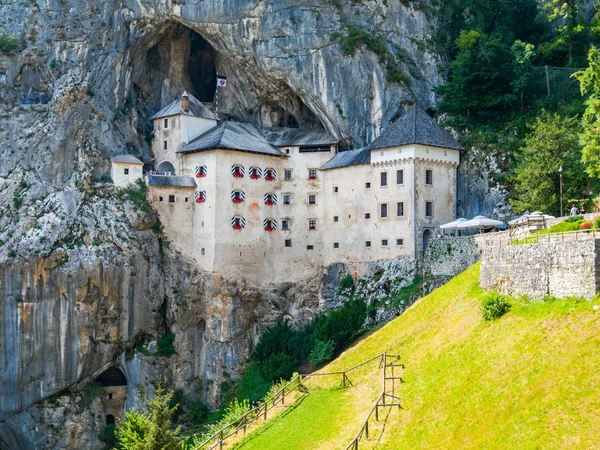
<point>528,380</point>
<point>304,426</point>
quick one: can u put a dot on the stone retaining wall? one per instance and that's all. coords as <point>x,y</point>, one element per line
<point>449,257</point>
<point>560,269</point>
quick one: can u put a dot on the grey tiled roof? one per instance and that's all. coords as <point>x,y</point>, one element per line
<point>281,137</point>
<point>415,127</point>
<point>197,109</point>
<point>130,159</point>
<point>170,180</point>
<point>348,158</point>
<point>234,136</point>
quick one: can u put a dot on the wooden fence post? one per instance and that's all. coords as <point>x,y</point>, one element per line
<point>221,440</point>
<point>367,429</point>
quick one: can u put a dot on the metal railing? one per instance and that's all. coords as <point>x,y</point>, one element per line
<point>543,238</point>
<point>260,411</point>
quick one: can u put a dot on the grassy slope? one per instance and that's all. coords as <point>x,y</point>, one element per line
<point>528,380</point>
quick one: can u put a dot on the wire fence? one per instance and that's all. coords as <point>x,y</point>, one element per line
<point>555,83</point>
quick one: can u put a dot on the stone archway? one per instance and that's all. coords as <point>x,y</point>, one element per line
<point>114,382</point>
<point>164,166</point>
<point>110,419</point>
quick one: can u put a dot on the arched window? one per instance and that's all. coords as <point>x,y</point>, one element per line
<point>166,168</point>
<point>238,196</point>
<point>255,173</point>
<point>237,222</point>
<point>270,224</point>
<point>237,171</point>
<point>270,174</point>
<point>110,419</point>
<point>201,171</point>
<point>270,199</point>
<point>200,196</point>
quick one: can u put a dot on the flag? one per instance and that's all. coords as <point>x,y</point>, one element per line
<point>221,81</point>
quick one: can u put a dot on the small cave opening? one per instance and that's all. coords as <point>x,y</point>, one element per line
<point>112,376</point>
<point>110,419</point>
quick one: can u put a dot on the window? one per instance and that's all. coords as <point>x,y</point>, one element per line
<point>335,189</point>
<point>400,209</point>
<point>270,199</point>
<point>336,218</point>
<point>312,224</point>
<point>383,179</point>
<point>126,171</point>
<point>238,196</point>
<point>312,174</point>
<point>336,245</point>
<point>287,199</point>
<point>367,216</point>
<point>237,171</point>
<point>287,151</point>
<point>238,223</point>
<point>166,123</point>
<point>368,244</point>
<point>255,173</point>
<point>314,148</point>
<point>270,224</point>
<point>200,196</point>
<point>309,247</point>
<point>368,185</point>
<point>429,209</point>
<point>160,198</point>
<point>383,210</point>
<point>312,199</point>
<point>171,199</point>
<point>165,145</point>
<point>270,174</point>
<point>200,171</point>
<point>110,396</point>
<point>203,251</point>
<point>400,176</point>
<point>429,176</point>
<point>285,224</point>
<point>288,175</point>
<point>400,242</point>
<point>288,242</point>
<point>186,199</point>
<point>384,242</point>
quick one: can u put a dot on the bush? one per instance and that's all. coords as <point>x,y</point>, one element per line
<point>8,43</point>
<point>164,346</point>
<point>198,412</point>
<point>597,222</point>
<point>494,305</point>
<point>321,352</point>
<point>278,366</point>
<point>574,219</point>
<point>347,282</point>
<point>586,225</point>
<point>340,325</point>
<point>107,435</point>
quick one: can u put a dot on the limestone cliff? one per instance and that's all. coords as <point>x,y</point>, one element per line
<point>84,274</point>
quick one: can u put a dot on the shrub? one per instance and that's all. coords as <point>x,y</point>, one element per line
<point>277,366</point>
<point>586,225</point>
<point>346,282</point>
<point>107,435</point>
<point>321,352</point>
<point>8,43</point>
<point>597,222</point>
<point>273,340</point>
<point>198,412</point>
<point>340,325</point>
<point>494,305</point>
<point>164,346</point>
<point>574,219</point>
<point>137,194</point>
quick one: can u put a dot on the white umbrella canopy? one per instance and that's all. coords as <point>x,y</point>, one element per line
<point>534,215</point>
<point>479,222</point>
<point>452,225</point>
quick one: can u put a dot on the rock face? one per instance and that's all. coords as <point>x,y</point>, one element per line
<point>83,276</point>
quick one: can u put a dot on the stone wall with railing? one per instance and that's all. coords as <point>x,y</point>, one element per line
<point>449,257</point>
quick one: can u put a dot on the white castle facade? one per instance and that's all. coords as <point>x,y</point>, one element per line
<point>283,204</point>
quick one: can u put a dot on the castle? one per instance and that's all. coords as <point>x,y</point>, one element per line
<point>282,204</point>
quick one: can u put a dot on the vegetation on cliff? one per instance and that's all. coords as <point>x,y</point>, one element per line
<point>523,379</point>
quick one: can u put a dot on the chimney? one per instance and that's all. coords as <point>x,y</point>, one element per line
<point>185,101</point>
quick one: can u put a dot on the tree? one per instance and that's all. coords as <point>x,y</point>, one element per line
<point>150,430</point>
<point>522,53</point>
<point>553,142</point>
<point>589,80</point>
<point>572,34</point>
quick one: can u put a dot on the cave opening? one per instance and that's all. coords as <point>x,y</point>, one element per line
<point>112,376</point>
<point>202,68</point>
